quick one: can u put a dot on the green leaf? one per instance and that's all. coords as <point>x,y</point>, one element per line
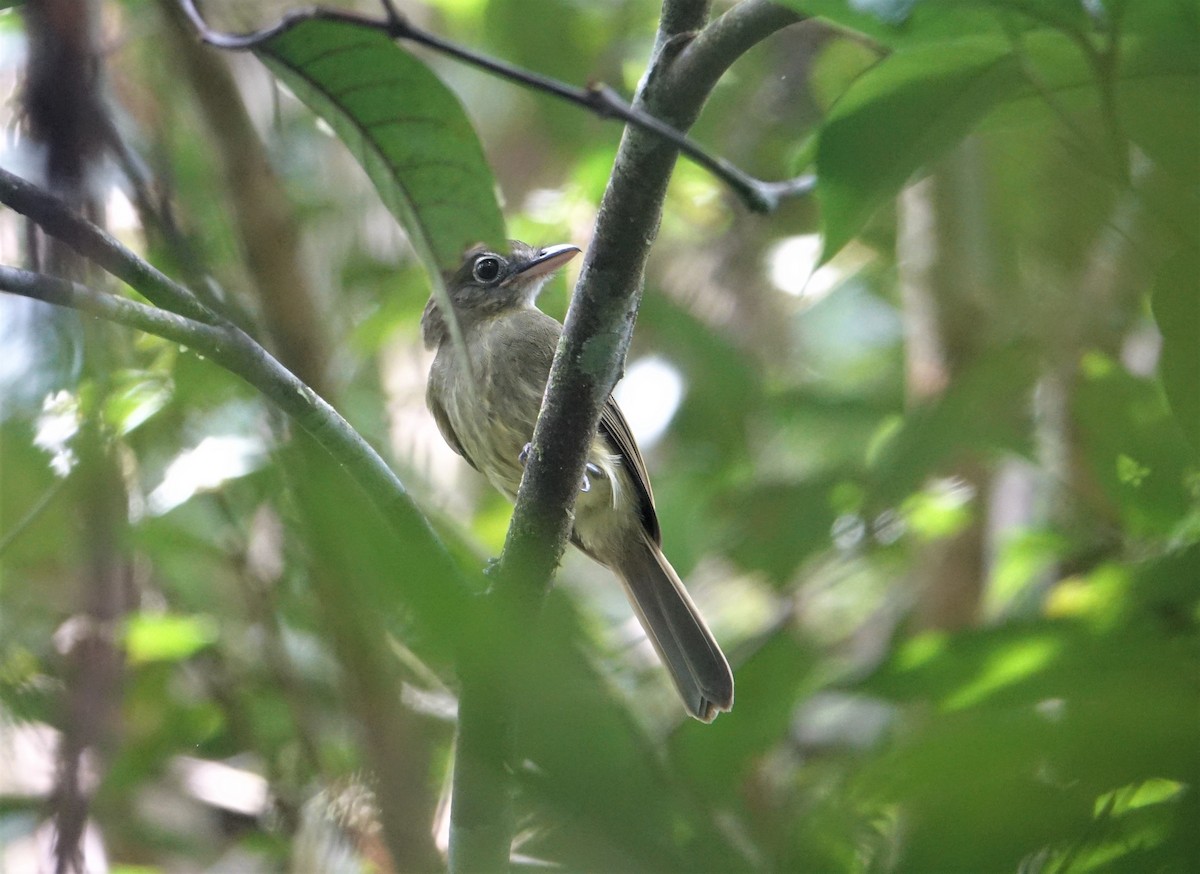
<point>1131,443</point>
<point>154,638</point>
<point>136,396</point>
<point>897,23</point>
<point>984,410</point>
<point>913,106</point>
<point>1017,734</point>
<point>404,126</point>
<point>1176,305</point>
<point>900,115</point>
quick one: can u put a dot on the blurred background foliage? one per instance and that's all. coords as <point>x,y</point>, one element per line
<point>936,486</point>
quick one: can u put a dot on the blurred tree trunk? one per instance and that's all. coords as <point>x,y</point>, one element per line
<point>66,116</point>
<point>950,282</point>
<point>266,225</point>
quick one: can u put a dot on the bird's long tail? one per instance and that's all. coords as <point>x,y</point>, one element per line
<point>675,627</point>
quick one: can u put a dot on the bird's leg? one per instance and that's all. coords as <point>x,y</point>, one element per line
<point>589,468</point>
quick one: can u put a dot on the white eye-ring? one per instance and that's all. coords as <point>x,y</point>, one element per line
<point>486,269</point>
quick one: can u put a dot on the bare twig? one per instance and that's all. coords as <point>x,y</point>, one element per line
<point>603,101</point>
<point>206,339</point>
<point>156,216</point>
<point>260,212</point>
<point>233,350</point>
<point>59,220</point>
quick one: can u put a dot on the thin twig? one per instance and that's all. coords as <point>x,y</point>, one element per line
<point>32,515</point>
<point>55,217</point>
<point>156,215</point>
<point>207,339</point>
<point>235,351</point>
<point>600,99</point>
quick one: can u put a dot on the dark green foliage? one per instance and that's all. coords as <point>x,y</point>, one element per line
<point>806,491</point>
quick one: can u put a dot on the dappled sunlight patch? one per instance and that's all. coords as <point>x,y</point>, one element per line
<point>1098,597</point>
<point>1004,668</point>
<point>649,395</point>
<point>150,637</point>
<point>942,509</point>
<point>213,461</point>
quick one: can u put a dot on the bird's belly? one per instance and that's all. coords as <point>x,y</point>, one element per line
<point>493,420</point>
<point>493,441</point>
<point>494,438</point>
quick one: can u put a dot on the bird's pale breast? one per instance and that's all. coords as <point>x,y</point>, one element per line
<point>493,411</point>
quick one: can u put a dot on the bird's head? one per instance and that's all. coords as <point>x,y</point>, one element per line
<point>490,282</point>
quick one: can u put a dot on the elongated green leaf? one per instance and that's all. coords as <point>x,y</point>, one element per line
<point>404,126</point>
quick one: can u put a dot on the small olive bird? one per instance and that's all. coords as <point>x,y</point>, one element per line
<point>486,408</point>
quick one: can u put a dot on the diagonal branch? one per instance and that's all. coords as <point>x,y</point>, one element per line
<point>236,352</point>
<point>442,603</point>
<point>353,633</point>
<point>208,340</point>
<point>600,99</point>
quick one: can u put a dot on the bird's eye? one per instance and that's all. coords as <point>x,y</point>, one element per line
<point>486,269</point>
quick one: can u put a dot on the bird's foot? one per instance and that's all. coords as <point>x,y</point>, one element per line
<point>594,470</point>
<point>589,469</point>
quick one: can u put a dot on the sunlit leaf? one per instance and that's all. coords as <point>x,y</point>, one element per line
<point>134,397</point>
<point>151,637</point>
<point>1039,724</point>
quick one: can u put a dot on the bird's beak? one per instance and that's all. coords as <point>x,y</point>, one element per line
<point>547,261</point>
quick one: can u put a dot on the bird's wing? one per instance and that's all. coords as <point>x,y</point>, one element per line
<point>616,429</point>
<point>443,423</point>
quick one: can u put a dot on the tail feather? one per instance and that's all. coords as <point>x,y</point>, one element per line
<point>675,627</point>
